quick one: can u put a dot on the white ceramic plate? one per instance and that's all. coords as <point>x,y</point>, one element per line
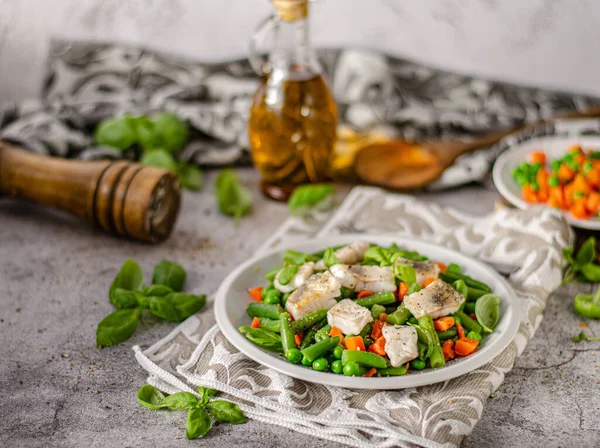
<point>554,147</point>
<point>232,300</point>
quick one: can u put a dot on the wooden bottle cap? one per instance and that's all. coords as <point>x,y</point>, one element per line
<point>291,10</point>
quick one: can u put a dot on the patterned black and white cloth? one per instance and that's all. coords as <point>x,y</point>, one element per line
<point>88,81</point>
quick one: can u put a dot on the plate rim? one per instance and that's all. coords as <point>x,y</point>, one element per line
<point>501,163</point>
<point>513,312</point>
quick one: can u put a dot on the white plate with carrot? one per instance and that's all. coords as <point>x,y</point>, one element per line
<point>558,172</point>
<point>368,312</point>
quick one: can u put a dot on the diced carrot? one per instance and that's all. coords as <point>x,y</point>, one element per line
<point>448,350</point>
<point>376,332</point>
<point>579,158</point>
<point>335,331</point>
<point>575,148</point>
<point>568,196</point>
<point>581,185</point>
<point>255,323</point>
<point>256,293</point>
<point>556,197</point>
<point>428,281</point>
<point>565,173</point>
<point>378,346</point>
<point>528,194</point>
<point>364,294</point>
<point>383,317</point>
<point>441,265</point>
<point>402,291</point>
<point>443,323</point>
<point>578,209</point>
<point>372,371</point>
<point>537,157</point>
<point>355,343</point>
<point>593,177</point>
<point>298,337</point>
<point>593,202</point>
<point>460,331</point>
<point>465,346</point>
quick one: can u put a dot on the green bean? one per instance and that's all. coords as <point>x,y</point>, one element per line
<point>365,358</point>
<point>298,326</point>
<point>271,273</point>
<point>447,334</point>
<point>287,274</point>
<point>468,323</point>
<point>266,290</point>
<point>346,293</point>
<point>323,333</point>
<point>436,356</point>
<point>366,331</point>
<point>273,297</point>
<point>264,310</point>
<point>392,371</point>
<point>451,277</point>
<point>461,287</point>
<point>469,308</point>
<point>418,364</point>
<point>377,310</point>
<point>400,316</point>
<point>382,298</point>
<point>321,348</point>
<point>473,294</point>
<point>287,336</point>
<point>309,337</point>
<point>284,299</point>
<point>391,309</point>
<point>270,324</point>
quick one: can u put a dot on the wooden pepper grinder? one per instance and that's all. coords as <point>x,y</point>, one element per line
<point>121,197</point>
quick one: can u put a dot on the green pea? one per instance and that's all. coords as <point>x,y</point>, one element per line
<point>578,194</point>
<point>587,166</point>
<point>474,335</point>
<point>553,181</point>
<point>337,352</point>
<point>453,267</point>
<point>320,364</point>
<point>418,364</point>
<point>337,366</point>
<point>555,165</point>
<point>354,369</point>
<point>534,186</point>
<point>306,362</point>
<point>294,355</point>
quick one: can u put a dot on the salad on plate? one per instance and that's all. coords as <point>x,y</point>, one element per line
<point>367,310</point>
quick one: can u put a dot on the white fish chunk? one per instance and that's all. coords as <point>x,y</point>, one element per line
<point>319,291</point>
<point>349,317</point>
<point>351,254</point>
<point>424,269</point>
<point>437,300</point>
<point>365,278</point>
<point>304,271</point>
<point>400,343</point>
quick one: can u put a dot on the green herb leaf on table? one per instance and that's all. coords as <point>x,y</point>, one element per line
<point>144,130</point>
<point>170,132</point>
<point>207,391</point>
<point>156,291</point>
<point>226,412</point>
<point>583,337</point>
<point>160,158</point>
<point>177,306</point>
<point>329,258</point>
<point>123,298</point>
<point>263,338</point>
<point>150,397</point>
<point>405,273</point>
<point>307,196</point>
<point>191,177</point>
<point>233,198</point>
<point>115,132</point>
<point>581,265</point>
<point>181,400</point>
<point>588,305</point>
<point>129,278</point>
<point>294,258</point>
<point>586,253</point>
<point>169,274</point>
<point>487,311</point>
<point>117,327</point>
<point>198,423</point>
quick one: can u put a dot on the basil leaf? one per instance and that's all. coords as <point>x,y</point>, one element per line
<point>587,252</point>
<point>487,311</point>
<point>296,258</point>
<point>591,272</point>
<point>376,256</point>
<point>169,274</point>
<point>234,199</point>
<point>263,338</point>
<point>156,290</point>
<point>116,133</point>
<point>329,258</point>
<point>198,423</point>
<point>130,278</point>
<point>191,177</point>
<point>176,306</point>
<point>144,129</point>
<point>307,196</point>
<point>122,298</point>
<point>226,412</point>
<point>568,254</point>
<point>415,287</point>
<point>405,273</point>
<point>117,327</point>
<point>207,391</point>
<point>160,158</point>
<point>170,132</point>
<point>461,287</point>
<point>181,400</point>
<point>150,397</point>
<point>287,274</point>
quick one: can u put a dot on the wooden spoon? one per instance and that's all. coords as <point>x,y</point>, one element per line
<point>402,165</point>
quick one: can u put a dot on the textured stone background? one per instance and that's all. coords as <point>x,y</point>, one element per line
<point>539,42</point>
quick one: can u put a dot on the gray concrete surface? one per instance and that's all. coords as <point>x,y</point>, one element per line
<point>57,389</point>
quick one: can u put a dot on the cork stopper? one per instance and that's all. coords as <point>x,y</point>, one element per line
<point>291,10</point>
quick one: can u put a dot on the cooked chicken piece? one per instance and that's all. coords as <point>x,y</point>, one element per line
<point>400,343</point>
<point>424,269</point>
<point>437,300</point>
<point>351,254</point>
<point>319,291</point>
<point>349,317</point>
<point>365,278</point>
<point>304,271</point>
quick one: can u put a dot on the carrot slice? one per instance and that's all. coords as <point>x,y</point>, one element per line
<point>255,323</point>
<point>441,265</point>
<point>364,294</point>
<point>443,323</point>
<point>593,202</point>
<point>581,185</point>
<point>256,293</point>
<point>448,350</point>
<point>593,177</point>
<point>579,210</point>
<point>565,173</point>
<point>537,157</point>
<point>528,194</point>
<point>460,331</point>
<point>376,332</point>
<point>428,281</point>
<point>402,291</point>
<point>355,343</point>
<point>568,196</point>
<point>378,346</point>
<point>465,346</point>
<point>335,331</point>
<point>298,339</point>
<point>372,371</point>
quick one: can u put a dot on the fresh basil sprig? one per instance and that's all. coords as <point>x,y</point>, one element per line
<point>127,292</point>
<point>201,411</point>
<point>581,265</point>
<point>233,198</point>
<point>329,258</point>
<point>308,196</point>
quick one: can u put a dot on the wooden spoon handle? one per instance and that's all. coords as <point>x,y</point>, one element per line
<point>121,197</point>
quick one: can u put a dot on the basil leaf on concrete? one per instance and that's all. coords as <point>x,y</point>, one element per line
<point>176,306</point>
<point>307,196</point>
<point>191,177</point>
<point>129,278</point>
<point>198,423</point>
<point>170,132</point>
<point>233,198</point>
<point>116,133</point>
<point>169,274</point>
<point>122,298</point>
<point>160,158</point>
<point>150,397</point>
<point>181,400</point>
<point>226,412</point>
<point>117,327</point>
<point>156,290</point>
